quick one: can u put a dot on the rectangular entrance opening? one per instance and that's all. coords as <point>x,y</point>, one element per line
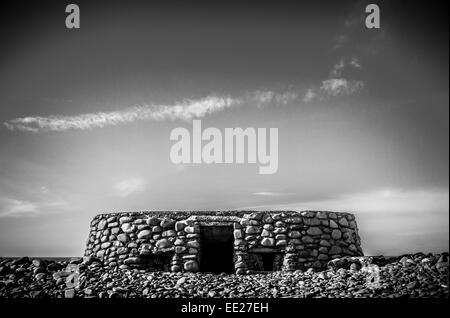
<point>267,261</point>
<point>158,262</point>
<point>217,249</point>
<point>264,260</point>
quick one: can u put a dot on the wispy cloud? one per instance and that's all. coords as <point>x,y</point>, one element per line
<point>336,71</point>
<point>341,86</point>
<point>309,95</point>
<point>10,207</point>
<point>271,97</point>
<point>273,194</point>
<point>266,193</point>
<point>355,62</point>
<point>44,190</point>
<point>128,187</point>
<point>185,110</point>
<point>336,84</point>
<point>286,97</point>
<point>263,97</point>
<point>343,65</point>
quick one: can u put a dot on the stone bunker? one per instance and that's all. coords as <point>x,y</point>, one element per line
<point>240,242</point>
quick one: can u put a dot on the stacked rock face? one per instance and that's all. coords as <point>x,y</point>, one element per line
<point>171,241</point>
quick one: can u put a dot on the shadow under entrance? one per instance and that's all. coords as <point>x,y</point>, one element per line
<point>217,249</point>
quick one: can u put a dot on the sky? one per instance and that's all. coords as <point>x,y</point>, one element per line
<point>86,114</point>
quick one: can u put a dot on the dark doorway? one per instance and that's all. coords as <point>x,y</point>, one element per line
<point>267,261</point>
<point>217,249</point>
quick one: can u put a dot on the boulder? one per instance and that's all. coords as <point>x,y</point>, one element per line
<point>311,221</point>
<point>69,293</point>
<point>153,221</point>
<point>322,215</point>
<point>163,243</point>
<point>336,234</point>
<point>115,230</point>
<point>122,250</point>
<point>240,265</point>
<point>343,222</point>
<point>128,227</point>
<point>157,229</point>
<point>308,214</point>
<point>132,261</point>
<point>178,242</point>
<point>192,229</point>
<point>314,231</point>
<point>125,219</point>
<point>101,225</point>
<point>333,224</point>
<point>106,245</point>
<point>191,266</point>
<point>294,234</point>
<point>179,226</point>
<point>335,250</point>
<point>251,230</point>
<point>175,268</point>
<point>193,244</point>
<point>167,223</point>
<point>122,237</point>
<point>169,233</point>
<point>180,249</point>
<point>268,241</point>
<point>280,237</point>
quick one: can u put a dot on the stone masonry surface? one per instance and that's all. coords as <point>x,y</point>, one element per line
<point>171,240</point>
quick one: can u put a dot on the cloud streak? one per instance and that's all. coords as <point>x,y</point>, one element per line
<point>341,86</point>
<point>268,194</point>
<point>11,207</point>
<point>336,84</point>
<point>271,97</point>
<point>309,95</point>
<point>185,110</point>
<point>128,187</point>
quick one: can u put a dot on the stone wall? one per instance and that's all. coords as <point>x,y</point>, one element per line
<point>171,241</point>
